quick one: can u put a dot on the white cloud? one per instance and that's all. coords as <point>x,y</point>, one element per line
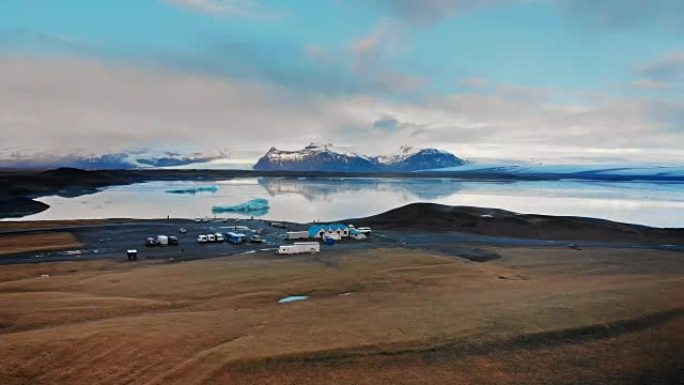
<point>75,106</point>
<point>223,7</point>
<point>475,82</point>
<point>667,69</point>
<point>426,11</point>
<point>371,57</point>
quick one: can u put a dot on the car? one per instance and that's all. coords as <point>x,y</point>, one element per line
<point>202,238</point>
<point>198,220</point>
<point>173,240</point>
<point>256,238</point>
<point>365,231</point>
<point>211,237</point>
<point>182,230</point>
<point>220,237</point>
<point>150,241</point>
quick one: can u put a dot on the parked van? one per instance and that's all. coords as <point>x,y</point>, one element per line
<point>220,237</point>
<point>211,237</point>
<point>202,238</point>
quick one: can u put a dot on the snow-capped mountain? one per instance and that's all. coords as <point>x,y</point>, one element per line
<point>414,159</point>
<point>317,157</point>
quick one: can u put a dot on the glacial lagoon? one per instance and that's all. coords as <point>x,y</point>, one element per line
<point>325,199</point>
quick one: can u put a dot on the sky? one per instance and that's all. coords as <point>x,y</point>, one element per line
<point>547,81</point>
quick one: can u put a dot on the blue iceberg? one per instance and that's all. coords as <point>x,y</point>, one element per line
<point>194,190</point>
<point>255,207</point>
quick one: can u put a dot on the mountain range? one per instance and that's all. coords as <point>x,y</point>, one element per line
<point>317,157</point>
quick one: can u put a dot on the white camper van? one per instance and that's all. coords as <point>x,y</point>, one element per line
<point>299,248</point>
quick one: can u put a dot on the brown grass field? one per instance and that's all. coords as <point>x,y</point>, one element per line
<point>21,243</point>
<point>535,316</point>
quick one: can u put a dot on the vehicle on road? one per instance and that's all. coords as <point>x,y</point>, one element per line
<point>182,230</point>
<point>150,242</point>
<point>173,240</point>
<point>256,238</point>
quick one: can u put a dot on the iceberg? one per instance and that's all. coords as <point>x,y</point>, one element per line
<point>194,190</point>
<point>255,207</point>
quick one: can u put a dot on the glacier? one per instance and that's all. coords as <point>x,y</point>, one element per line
<point>255,207</point>
<point>567,171</point>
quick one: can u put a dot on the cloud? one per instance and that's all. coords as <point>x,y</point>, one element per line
<point>600,14</point>
<point>622,14</point>
<point>173,159</point>
<point>372,54</point>
<point>387,123</point>
<point>667,69</point>
<point>426,11</point>
<point>223,7</point>
<point>316,54</point>
<point>475,82</point>
<point>44,161</point>
<point>76,106</point>
<point>25,39</point>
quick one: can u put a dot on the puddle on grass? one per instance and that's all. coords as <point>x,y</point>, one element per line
<point>293,298</point>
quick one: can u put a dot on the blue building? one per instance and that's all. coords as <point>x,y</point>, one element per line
<point>335,231</point>
<point>236,237</point>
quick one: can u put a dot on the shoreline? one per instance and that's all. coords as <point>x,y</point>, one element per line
<point>441,229</point>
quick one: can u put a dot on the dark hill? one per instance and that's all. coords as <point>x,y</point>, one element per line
<point>494,222</point>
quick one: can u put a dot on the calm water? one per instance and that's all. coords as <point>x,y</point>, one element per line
<point>306,199</point>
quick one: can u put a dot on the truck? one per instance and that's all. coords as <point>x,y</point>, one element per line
<point>297,235</point>
<point>300,248</point>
